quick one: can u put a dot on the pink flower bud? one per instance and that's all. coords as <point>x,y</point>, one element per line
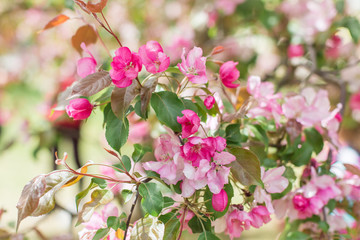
<point>220,201</point>
<point>79,108</point>
<point>190,123</point>
<point>229,74</point>
<point>300,202</point>
<point>295,50</point>
<point>209,102</point>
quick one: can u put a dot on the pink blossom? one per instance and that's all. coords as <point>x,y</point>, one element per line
<point>307,207</point>
<point>229,74</point>
<point>236,222</point>
<point>219,201</point>
<point>86,65</point>
<point>209,102</point>
<point>79,108</point>
<point>264,94</point>
<point>196,149</point>
<point>98,221</point>
<point>110,172</point>
<point>194,66</point>
<point>190,123</point>
<point>176,48</point>
<point>258,216</point>
<point>355,101</point>
<point>228,6</point>
<point>153,57</point>
<point>295,50</point>
<point>332,50</point>
<point>274,182</point>
<point>125,67</point>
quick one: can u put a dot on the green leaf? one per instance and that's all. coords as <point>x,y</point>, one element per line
<point>168,202</point>
<point>101,233</point>
<point>83,193</point>
<point>152,201</point>
<point>259,133</point>
<point>188,104</point>
<point>315,139</point>
<point>167,217</point>
<point>201,109</point>
<point>331,205</point>
<point>324,226</point>
<point>116,131</point>
<point>297,236</point>
<point>246,168</point>
<point>126,194</point>
<point>353,25</point>
<point>208,201</point>
<point>172,228</point>
<point>208,236</point>
<point>100,182</point>
<point>173,70</point>
<point>302,155</point>
<point>127,163</point>
<point>139,152</point>
<point>167,107</point>
<point>113,222</point>
<point>198,225</point>
<point>232,134</point>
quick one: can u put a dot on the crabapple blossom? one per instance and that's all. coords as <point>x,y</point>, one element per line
<point>86,65</point>
<point>259,216</point>
<point>125,67</point>
<point>295,50</point>
<point>219,201</point>
<point>229,74</point>
<point>79,109</point>
<point>236,222</point>
<point>209,102</point>
<point>153,57</point>
<point>190,123</point>
<point>193,66</point>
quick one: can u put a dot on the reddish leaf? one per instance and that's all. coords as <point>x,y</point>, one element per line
<point>217,50</point>
<point>112,153</point>
<point>55,22</point>
<point>145,93</point>
<point>90,84</point>
<point>351,168</point>
<point>30,197</point>
<point>82,5</point>
<point>96,7</point>
<point>121,98</point>
<point>84,34</point>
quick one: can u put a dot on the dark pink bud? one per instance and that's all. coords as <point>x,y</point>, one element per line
<point>209,102</point>
<point>300,202</point>
<point>190,123</point>
<point>295,50</point>
<point>220,201</point>
<point>229,73</point>
<point>79,108</point>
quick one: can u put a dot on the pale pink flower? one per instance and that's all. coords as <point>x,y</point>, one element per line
<point>295,50</point>
<point>194,66</point>
<point>274,182</point>
<point>98,221</point>
<point>228,6</point>
<point>176,48</point>
<point>264,93</point>
<point>355,101</point>
<point>86,65</point>
<point>219,201</point>
<point>236,222</point>
<point>110,172</point>
<point>79,108</point>
<point>229,74</point>
<point>153,57</point>
<point>332,47</point>
<point>209,102</point>
<point>125,67</point>
<point>190,123</point>
<point>259,216</point>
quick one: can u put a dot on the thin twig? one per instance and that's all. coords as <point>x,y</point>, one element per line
<point>131,212</point>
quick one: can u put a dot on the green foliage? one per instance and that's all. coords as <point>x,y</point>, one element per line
<point>208,236</point>
<point>126,162</point>
<point>139,152</point>
<point>172,228</point>
<point>315,139</point>
<point>152,201</point>
<point>198,225</point>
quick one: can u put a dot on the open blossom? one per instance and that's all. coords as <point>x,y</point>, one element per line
<point>219,201</point>
<point>125,67</point>
<point>264,94</point>
<point>306,207</point>
<point>259,216</point>
<point>79,108</point>
<point>274,182</point>
<point>98,221</point>
<point>236,222</point>
<point>190,123</point>
<point>229,73</point>
<point>86,65</point>
<point>153,57</point>
<point>193,66</point>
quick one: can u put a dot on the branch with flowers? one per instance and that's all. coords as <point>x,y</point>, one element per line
<point>227,159</point>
